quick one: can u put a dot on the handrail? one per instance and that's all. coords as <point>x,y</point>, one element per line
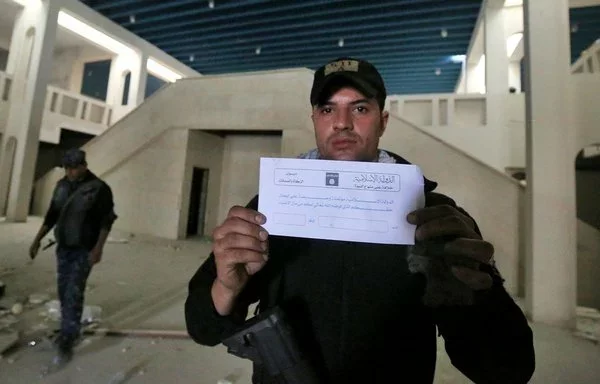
<point>439,116</point>
<point>589,61</point>
<point>130,113</point>
<point>76,95</point>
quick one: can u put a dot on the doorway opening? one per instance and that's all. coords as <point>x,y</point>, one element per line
<point>197,208</point>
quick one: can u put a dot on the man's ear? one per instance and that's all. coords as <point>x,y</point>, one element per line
<point>385,115</point>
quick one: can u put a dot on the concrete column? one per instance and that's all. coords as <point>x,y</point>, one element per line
<point>461,87</point>
<point>496,81</point>
<point>496,60</point>
<point>139,77</point>
<point>135,65</point>
<point>514,75</point>
<point>475,78</point>
<point>30,64</point>
<point>551,280</point>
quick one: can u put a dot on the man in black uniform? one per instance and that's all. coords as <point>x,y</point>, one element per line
<point>363,312</point>
<point>82,214</point>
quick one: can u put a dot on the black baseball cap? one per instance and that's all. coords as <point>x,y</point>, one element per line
<point>73,158</point>
<point>360,74</point>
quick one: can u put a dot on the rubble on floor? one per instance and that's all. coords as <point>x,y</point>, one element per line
<point>12,309</point>
<point>588,324</point>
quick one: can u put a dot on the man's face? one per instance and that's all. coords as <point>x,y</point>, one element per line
<point>348,126</point>
<point>75,173</point>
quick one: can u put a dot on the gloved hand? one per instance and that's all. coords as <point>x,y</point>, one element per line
<point>450,253</point>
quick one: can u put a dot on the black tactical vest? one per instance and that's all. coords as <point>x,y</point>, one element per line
<point>74,203</point>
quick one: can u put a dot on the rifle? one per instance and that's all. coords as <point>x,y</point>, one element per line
<point>267,339</point>
<point>50,243</point>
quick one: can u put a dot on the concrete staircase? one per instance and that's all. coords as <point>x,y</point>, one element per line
<point>588,324</point>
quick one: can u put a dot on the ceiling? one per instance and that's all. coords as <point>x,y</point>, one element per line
<point>585,29</point>
<point>410,41</point>
<point>66,39</point>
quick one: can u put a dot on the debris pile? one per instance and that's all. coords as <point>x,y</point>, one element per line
<point>14,309</point>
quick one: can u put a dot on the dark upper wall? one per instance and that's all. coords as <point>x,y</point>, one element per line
<point>50,155</point>
<point>587,179</point>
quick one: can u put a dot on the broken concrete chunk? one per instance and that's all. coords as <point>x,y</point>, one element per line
<point>91,314</point>
<point>17,309</point>
<point>39,298</point>
<point>53,309</point>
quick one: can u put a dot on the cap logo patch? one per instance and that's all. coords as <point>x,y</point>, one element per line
<point>340,66</point>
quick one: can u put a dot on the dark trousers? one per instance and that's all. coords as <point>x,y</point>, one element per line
<point>73,271</point>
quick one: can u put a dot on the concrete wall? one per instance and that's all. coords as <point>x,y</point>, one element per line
<point>203,151</point>
<point>492,198</point>
<point>128,149</point>
<point>239,182</point>
<point>147,188</point>
<point>63,70</point>
<point>588,265</point>
<point>43,189</point>
<point>296,142</point>
<point>459,120</point>
<point>68,64</point>
<point>514,75</point>
<point>211,103</point>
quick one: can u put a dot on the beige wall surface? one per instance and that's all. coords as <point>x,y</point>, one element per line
<point>296,142</point>
<point>491,197</point>
<point>203,151</point>
<point>239,182</point>
<point>147,188</point>
<point>209,103</point>
<point>67,67</point>
<point>462,124</point>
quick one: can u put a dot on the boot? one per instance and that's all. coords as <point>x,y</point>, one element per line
<point>64,346</point>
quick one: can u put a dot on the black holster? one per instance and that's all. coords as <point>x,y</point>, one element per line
<point>267,339</point>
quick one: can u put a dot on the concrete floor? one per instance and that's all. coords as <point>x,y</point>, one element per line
<point>142,284</point>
